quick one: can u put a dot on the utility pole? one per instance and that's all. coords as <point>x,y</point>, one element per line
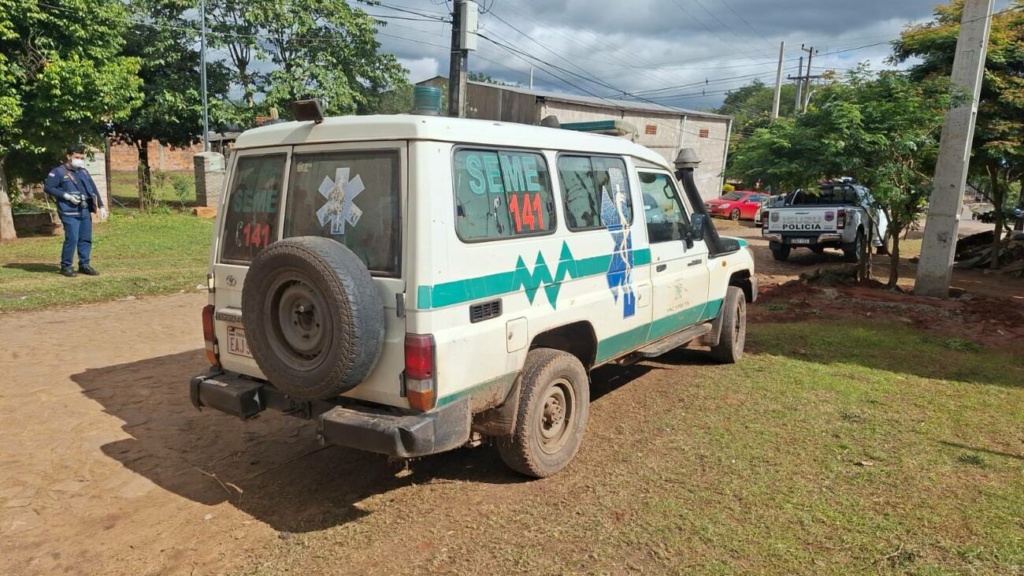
<point>531,77</point>
<point>941,229</point>
<point>799,85</point>
<point>778,82</point>
<point>464,39</point>
<point>807,87</point>
<point>202,74</point>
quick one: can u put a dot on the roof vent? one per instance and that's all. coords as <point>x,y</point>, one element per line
<point>426,100</point>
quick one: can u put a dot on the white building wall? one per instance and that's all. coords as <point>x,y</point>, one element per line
<point>670,134</point>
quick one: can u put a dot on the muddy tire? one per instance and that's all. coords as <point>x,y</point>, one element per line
<point>852,251</point>
<point>553,406</point>
<point>779,251</point>
<point>734,215</point>
<point>313,317</point>
<point>734,328</point>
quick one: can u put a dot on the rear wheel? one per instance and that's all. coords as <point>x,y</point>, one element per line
<point>553,405</point>
<point>734,328</point>
<point>779,251</point>
<point>852,251</point>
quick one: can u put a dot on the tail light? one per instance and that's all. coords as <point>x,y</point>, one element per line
<point>210,336</point>
<point>420,371</point>
<point>841,219</point>
<point>764,219</point>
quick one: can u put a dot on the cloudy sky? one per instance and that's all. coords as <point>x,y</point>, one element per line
<point>684,53</point>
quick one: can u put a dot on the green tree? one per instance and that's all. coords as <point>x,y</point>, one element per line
<point>62,80</point>
<point>998,148</point>
<point>323,49</point>
<point>751,107</point>
<point>165,42</point>
<point>882,129</point>
<point>487,79</point>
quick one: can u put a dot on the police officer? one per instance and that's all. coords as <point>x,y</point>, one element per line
<point>77,199</point>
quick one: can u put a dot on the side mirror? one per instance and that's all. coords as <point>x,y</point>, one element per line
<point>698,225</point>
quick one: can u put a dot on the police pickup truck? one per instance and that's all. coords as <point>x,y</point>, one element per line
<point>839,215</point>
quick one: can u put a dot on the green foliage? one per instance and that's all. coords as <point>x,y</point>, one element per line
<point>323,49</point>
<point>750,107</point>
<point>998,150</point>
<point>62,78</point>
<point>881,128</point>
<point>487,79</point>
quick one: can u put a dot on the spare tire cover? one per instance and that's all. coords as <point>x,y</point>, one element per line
<point>313,317</point>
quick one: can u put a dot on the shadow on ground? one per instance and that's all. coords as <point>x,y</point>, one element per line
<point>271,467</point>
<point>34,267</point>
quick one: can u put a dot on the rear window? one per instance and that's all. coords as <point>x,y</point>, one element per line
<point>251,216</point>
<point>827,195</point>
<point>352,198</point>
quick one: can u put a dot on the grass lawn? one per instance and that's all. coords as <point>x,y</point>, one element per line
<point>136,255</point>
<point>176,189</point>
<point>832,448</point>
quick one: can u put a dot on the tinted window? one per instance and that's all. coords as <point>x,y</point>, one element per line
<point>251,217</point>
<point>502,193</point>
<point>352,198</point>
<point>664,212</point>
<point>732,196</point>
<point>592,186</point>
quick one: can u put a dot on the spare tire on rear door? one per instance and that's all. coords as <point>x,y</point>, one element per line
<point>313,317</point>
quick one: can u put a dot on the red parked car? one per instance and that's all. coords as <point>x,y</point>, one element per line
<point>736,205</point>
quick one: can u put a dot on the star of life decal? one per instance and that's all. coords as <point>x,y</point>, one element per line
<point>339,209</point>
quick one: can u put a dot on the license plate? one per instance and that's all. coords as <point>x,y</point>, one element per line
<point>801,240</point>
<point>237,344</point>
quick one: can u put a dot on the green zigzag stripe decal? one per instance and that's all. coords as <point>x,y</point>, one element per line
<point>501,284</point>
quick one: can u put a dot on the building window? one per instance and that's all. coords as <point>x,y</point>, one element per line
<point>705,133</point>
<point>651,130</point>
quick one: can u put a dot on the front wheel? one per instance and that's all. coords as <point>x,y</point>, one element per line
<point>734,215</point>
<point>734,328</point>
<point>553,405</point>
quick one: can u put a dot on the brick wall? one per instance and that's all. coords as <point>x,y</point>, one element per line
<point>125,158</point>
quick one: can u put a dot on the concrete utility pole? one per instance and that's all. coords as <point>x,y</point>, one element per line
<point>464,39</point>
<point>935,269</point>
<point>778,82</point>
<point>807,87</point>
<point>202,74</point>
<point>799,85</point>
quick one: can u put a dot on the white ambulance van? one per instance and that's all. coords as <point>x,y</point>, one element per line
<point>417,283</point>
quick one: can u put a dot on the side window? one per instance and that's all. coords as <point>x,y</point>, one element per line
<point>352,198</point>
<point>666,217</point>
<point>501,193</point>
<point>592,187</point>
<point>252,207</point>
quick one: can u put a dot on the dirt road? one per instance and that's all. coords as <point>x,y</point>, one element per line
<point>104,463</point>
<point>106,468</point>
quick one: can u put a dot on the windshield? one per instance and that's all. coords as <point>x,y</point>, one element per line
<point>732,196</point>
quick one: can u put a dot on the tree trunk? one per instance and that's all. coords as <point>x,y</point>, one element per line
<point>7,231</point>
<point>145,177</point>
<point>1019,225</point>
<point>998,199</point>
<point>894,260</point>
<point>864,263</point>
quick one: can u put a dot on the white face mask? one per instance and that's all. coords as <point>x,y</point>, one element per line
<point>77,163</point>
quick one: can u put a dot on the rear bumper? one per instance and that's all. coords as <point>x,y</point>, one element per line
<point>830,238</point>
<point>353,426</point>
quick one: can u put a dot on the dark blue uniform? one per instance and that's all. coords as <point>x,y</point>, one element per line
<point>77,219</point>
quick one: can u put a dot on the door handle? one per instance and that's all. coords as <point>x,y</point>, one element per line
<point>661,267</point>
<point>696,262</point>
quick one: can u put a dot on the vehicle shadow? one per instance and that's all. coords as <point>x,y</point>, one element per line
<point>33,267</point>
<point>271,467</point>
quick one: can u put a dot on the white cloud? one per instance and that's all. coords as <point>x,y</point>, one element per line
<point>421,68</point>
